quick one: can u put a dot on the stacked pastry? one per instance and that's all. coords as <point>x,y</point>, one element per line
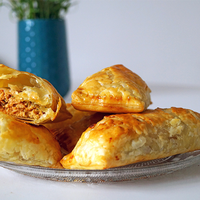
<point>107,124</point>
<point>132,133</point>
<point>26,99</point>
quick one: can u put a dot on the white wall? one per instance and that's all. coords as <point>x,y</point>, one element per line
<point>159,40</point>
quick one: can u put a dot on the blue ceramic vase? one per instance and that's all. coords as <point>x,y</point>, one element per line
<point>42,50</point>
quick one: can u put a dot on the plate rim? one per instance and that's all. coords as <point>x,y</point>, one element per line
<point>171,164</point>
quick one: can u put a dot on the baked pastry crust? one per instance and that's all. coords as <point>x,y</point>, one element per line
<point>30,98</point>
<point>123,139</point>
<point>115,89</point>
<point>68,132</point>
<point>27,144</point>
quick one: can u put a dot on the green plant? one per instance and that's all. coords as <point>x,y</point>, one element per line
<point>37,9</point>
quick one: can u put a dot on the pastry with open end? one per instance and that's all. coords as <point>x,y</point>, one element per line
<point>114,89</point>
<point>30,98</point>
<point>123,139</point>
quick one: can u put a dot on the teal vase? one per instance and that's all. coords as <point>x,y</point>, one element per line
<point>42,50</point>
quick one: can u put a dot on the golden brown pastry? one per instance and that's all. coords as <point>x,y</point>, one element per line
<point>68,132</point>
<point>123,139</point>
<point>30,98</point>
<point>27,144</point>
<point>115,89</point>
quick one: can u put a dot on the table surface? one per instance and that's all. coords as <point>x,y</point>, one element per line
<point>183,184</point>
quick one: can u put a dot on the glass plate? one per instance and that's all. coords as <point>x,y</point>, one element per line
<point>132,172</point>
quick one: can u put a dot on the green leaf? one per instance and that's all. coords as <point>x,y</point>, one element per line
<point>37,9</point>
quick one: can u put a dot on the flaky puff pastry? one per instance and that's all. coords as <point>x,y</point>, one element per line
<point>68,132</point>
<point>114,89</point>
<point>30,98</point>
<point>123,139</point>
<point>27,144</point>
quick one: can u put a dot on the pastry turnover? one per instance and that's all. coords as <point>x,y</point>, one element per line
<point>27,144</point>
<point>30,98</point>
<point>68,132</point>
<point>115,89</point>
<point>123,139</point>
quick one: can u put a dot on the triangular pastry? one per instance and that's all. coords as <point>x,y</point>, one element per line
<point>123,139</point>
<point>114,89</point>
<point>22,143</point>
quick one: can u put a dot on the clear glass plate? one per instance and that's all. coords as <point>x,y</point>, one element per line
<point>132,172</point>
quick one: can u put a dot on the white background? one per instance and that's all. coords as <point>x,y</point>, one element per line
<point>157,39</point>
<point>160,41</point>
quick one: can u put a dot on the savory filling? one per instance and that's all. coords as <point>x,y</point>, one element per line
<point>19,108</point>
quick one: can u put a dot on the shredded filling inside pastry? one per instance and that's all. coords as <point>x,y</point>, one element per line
<point>19,108</point>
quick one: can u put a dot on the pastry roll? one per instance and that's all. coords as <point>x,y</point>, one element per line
<point>30,98</point>
<point>27,144</point>
<point>68,132</point>
<point>114,89</point>
<point>123,139</point>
